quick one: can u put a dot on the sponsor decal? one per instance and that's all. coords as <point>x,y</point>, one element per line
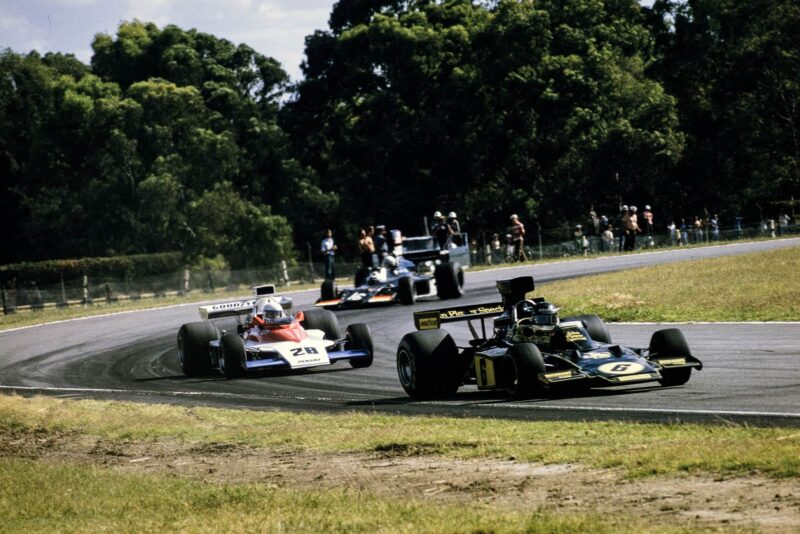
<point>632,378</point>
<point>561,374</point>
<point>428,323</point>
<point>484,372</point>
<point>574,335</point>
<point>380,298</point>
<point>621,368</point>
<point>673,361</point>
<point>596,355</point>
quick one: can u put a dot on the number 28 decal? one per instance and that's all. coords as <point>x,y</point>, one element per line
<point>299,351</point>
<point>621,368</point>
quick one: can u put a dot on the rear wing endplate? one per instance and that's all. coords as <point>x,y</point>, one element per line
<point>432,319</point>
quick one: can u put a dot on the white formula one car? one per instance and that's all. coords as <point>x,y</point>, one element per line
<point>269,338</point>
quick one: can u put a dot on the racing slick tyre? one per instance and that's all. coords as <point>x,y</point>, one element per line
<point>671,342</point>
<point>324,320</point>
<point>406,290</point>
<point>522,366</point>
<point>359,337</point>
<point>328,290</point>
<point>231,356</point>
<point>361,276</point>
<point>429,365</point>
<point>193,353</point>
<point>594,325</point>
<point>449,280</point>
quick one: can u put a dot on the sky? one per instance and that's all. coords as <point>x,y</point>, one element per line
<point>275,28</point>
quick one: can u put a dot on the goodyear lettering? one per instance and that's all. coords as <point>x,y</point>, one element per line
<point>673,361</point>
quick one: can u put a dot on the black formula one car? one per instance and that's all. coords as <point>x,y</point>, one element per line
<point>531,351</point>
<point>423,270</point>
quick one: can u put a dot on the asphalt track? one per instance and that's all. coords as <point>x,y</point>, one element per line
<point>751,373</point>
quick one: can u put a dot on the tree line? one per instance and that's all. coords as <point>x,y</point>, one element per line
<point>177,140</point>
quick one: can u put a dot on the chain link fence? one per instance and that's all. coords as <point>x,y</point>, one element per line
<point>23,295</point>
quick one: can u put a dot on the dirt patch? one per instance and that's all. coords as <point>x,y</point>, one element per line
<point>771,505</point>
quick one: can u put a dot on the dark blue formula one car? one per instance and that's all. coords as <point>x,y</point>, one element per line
<point>422,270</point>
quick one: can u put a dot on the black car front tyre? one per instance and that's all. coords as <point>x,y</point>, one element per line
<point>671,342</point>
<point>324,320</point>
<point>360,338</point>
<point>231,356</point>
<point>594,325</point>
<point>193,351</point>
<point>406,290</point>
<point>522,366</point>
<point>449,280</point>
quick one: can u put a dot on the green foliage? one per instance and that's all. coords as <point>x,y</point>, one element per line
<point>51,271</point>
<point>534,106</point>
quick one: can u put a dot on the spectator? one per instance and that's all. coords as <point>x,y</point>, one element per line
<point>434,221</point>
<point>381,243</point>
<point>684,232</point>
<point>328,249</point>
<point>497,249</point>
<point>592,230</point>
<point>518,239</point>
<point>604,227</point>
<point>454,228</point>
<point>441,231</point>
<point>619,226</point>
<point>647,216</point>
<point>631,222</point>
<point>698,229</point>
<point>771,224</point>
<point>713,223</point>
<point>366,248</point>
<point>674,237</point>
<point>581,241</point>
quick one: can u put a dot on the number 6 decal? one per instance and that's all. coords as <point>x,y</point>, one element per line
<point>621,368</point>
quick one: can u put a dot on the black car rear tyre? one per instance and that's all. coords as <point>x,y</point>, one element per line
<point>428,364</point>
<point>359,337</point>
<point>522,366</point>
<point>361,276</point>
<point>328,290</point>
<point>193,352</point>
<point>595,326</point>
<point>406,290</point>
<point>231,356</point>
<point>671,342</point>
<point>449,280</point>
<point>324,320</point>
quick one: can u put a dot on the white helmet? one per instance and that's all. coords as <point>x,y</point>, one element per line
<point>451,215</point>
<point>269,310</point>
<point>389,262</point>
<point>633,209</point>
<point>437,214</point>
<point>647,207</point>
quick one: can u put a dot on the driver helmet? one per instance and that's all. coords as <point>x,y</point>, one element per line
<point>269,310</point>
<point>389,262</point>
<point>544,314</point>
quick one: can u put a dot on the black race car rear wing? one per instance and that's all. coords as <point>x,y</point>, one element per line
<point>431,319</point>
<point>512,290</point>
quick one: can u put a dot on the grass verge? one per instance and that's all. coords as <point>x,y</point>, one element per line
<point>751,287</point>
<point>638,450</point>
